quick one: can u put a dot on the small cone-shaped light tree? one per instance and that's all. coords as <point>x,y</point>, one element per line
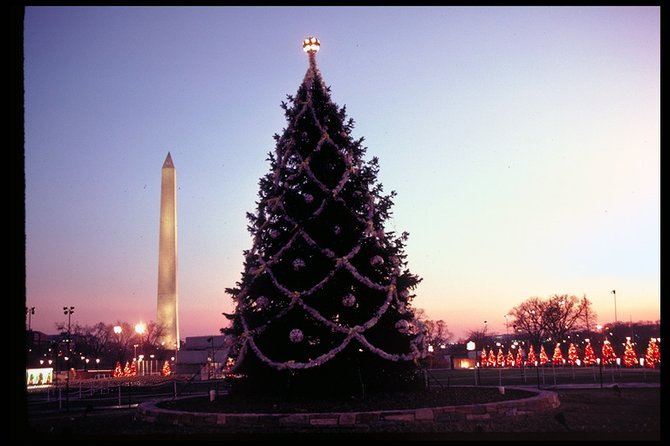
<point>492,358</point>
<point>589,354</point>
<point>324,302</point>
<point>557,357</point>
<point>653,354</point>
<point>544,358</point>
<point>126,370</point>
<point>519,358</point>
<point>118,371</point>
<point>484,359</point>
<point>133,368</point>
<point>166,369</point>
<point>572,354</point>
<point>629,355</point>
<point>500,359</point>
<point>509,359</point>
<point>609,357</point>
<point>532,359</point>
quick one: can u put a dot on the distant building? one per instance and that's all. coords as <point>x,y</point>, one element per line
<point>203,355</point>
<point>452,356</point>
<point>37,339</point>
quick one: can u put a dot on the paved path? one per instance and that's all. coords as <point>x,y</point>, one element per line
<point>593,386</point>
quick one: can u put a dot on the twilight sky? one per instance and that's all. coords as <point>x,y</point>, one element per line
<point>523,143</point>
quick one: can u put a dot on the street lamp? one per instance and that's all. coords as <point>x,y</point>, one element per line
<point>68,311</point>
<point>140,328</point>
<point>615,318</point>
<point>600,360</point>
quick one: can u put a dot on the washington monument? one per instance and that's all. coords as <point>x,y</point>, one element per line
<point>167,314</point>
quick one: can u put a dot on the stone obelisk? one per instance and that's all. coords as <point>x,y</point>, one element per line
<point>167,314</point>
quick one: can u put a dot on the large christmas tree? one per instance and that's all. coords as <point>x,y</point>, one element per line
<point>324,302</point>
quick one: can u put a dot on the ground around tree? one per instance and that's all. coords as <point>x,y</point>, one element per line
<point>584,414</point>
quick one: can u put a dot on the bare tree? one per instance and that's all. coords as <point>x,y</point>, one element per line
<point>590,317</point>
<point>437,332</point>
<point>155,331</point>
<point>528,317</point>
<point>552,318</point>
<point>564,314</point>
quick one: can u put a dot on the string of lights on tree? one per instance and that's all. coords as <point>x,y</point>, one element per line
<point>509,359</point>
<point>573,357</point>
<point>544,359</point>
<point>589,354</point>
<point>166,371</point>
<point>500,359</point>
<point>608,355</point>
<point>557,356</point>
<point>518,361</point>
<point>629,355</point>
<point>652,357</point>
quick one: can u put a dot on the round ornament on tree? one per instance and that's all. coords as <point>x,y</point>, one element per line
<point>349,300</point>
<point>296,335</point>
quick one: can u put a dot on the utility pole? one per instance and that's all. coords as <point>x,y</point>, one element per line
<point>68,311</point>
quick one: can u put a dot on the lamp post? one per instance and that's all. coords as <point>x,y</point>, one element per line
<point>472,347</point>
<point>30,311</point>
<point>506,325</point>
<point>118,329</point>
<point>600,360</point>
<point>140,328</point>
<point>68,311</point>
<point>211,357</point>
<point>615,318</point>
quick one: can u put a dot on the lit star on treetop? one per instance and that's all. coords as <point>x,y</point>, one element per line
<point>311,45</point>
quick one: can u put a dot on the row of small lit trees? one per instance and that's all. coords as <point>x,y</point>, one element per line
<point>652,357</point>
<point>130,369</point>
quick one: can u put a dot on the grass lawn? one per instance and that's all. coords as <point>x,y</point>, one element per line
<point>593,414</point>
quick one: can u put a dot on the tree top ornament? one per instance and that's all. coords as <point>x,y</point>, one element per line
<point>311,45</point>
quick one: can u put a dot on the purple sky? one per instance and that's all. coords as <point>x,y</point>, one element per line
<point>523,142</point>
